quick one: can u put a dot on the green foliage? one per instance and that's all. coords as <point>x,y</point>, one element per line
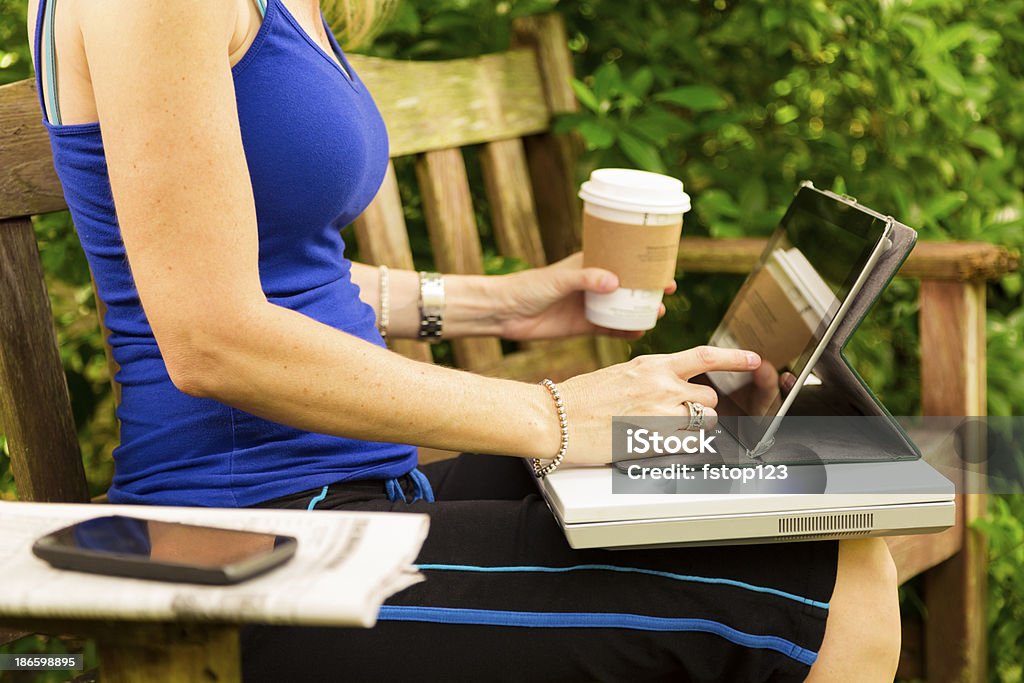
<point>14,55</point>
<point>1004,527</point>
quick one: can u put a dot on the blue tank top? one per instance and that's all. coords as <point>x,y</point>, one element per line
<point>317,150</point>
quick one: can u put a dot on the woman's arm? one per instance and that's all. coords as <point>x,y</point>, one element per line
<point>540,303</point>
<point>473,303</point>
<point>165,97</point>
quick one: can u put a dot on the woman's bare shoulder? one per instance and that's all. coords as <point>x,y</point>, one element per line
<point>84,28</point>
<point>234,18</point>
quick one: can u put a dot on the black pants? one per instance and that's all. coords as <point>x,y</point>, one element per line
<point>507,599</point>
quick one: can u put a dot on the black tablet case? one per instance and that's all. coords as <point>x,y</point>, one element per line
<point>874,436</point>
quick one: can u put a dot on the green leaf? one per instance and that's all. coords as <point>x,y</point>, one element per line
<point>642,153</point>
<point>786,113</point>
<point>585,95</point>
<point>565,123</point>
<point>717,203</point>
<point>953,37</point>
<point>944,206</point>
<point>658,125</point>
<point>773,18</point>
<point>607,82</point>
<point>945,75</point>
<point>641,81</point>
<point>696,98</point>
<point>985,139</point>
<point>596,133</point>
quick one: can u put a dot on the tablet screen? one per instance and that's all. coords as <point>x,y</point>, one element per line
<point>786,305</point>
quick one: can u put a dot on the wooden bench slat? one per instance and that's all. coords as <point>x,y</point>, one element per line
<point>552,158</point>
<point>35,409</point>
<point>442,104</point>
<point>448,209</point>
<point>556,361</point>
<point>959,261</point>
<point>952,323</point>
<point>544,35</point>
<point>384,239</point>
<point>28,183</point>
<point>497,96</point>
<point>953,382</point>
<point>507,182</point>
<point>554,190</point>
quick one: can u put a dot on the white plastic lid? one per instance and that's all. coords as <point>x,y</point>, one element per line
<point>627,189</point>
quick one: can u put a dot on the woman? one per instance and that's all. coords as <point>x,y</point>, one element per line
<point>236,140</point>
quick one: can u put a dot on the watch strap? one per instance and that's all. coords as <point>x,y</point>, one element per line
<point>431,305</point>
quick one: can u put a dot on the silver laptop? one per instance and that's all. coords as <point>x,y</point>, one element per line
<point>855,503</point>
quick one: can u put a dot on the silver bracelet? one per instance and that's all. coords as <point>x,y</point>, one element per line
<point>431,306</point>
<point>563,423</point>
<point>385,302</point>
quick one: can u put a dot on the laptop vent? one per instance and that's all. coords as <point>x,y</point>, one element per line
<point>817,524</point>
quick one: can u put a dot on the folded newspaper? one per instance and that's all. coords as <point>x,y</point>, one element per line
<point>346,564</point>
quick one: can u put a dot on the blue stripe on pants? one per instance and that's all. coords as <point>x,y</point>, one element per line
<point>450,615</point>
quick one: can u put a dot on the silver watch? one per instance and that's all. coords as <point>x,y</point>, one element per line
<point>431,306</point>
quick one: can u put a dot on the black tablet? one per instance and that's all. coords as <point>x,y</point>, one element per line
<point>164,551</point>
<point>791,304</point>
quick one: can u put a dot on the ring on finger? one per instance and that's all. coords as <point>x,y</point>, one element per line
<point>696,415</point>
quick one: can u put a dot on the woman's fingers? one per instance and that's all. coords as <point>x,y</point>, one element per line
<point>787,381</point>
<point>699,393</point>
<point>693,362</point>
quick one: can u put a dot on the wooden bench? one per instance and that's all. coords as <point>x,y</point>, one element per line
<point>502,106</point>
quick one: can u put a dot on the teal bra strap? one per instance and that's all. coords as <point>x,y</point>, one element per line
<point>262,5</point>
<point>50,59</point>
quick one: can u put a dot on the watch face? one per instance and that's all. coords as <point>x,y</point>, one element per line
<point>431,294</point>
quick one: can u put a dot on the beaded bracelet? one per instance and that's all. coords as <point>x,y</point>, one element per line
<point>385,303</point>
<point>563,422</point>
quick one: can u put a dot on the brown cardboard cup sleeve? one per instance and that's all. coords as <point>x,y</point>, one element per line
<point>643,256</point>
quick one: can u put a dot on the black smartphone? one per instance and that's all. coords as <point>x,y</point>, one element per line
<point>118,545</point>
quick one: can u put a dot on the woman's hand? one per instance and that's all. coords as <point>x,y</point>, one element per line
<point>651,385</point>
<point>545,303</point>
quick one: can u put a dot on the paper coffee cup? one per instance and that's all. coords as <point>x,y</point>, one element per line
<point>632,222</point>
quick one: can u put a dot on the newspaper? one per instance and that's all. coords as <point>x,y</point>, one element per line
<point>346,564</point>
